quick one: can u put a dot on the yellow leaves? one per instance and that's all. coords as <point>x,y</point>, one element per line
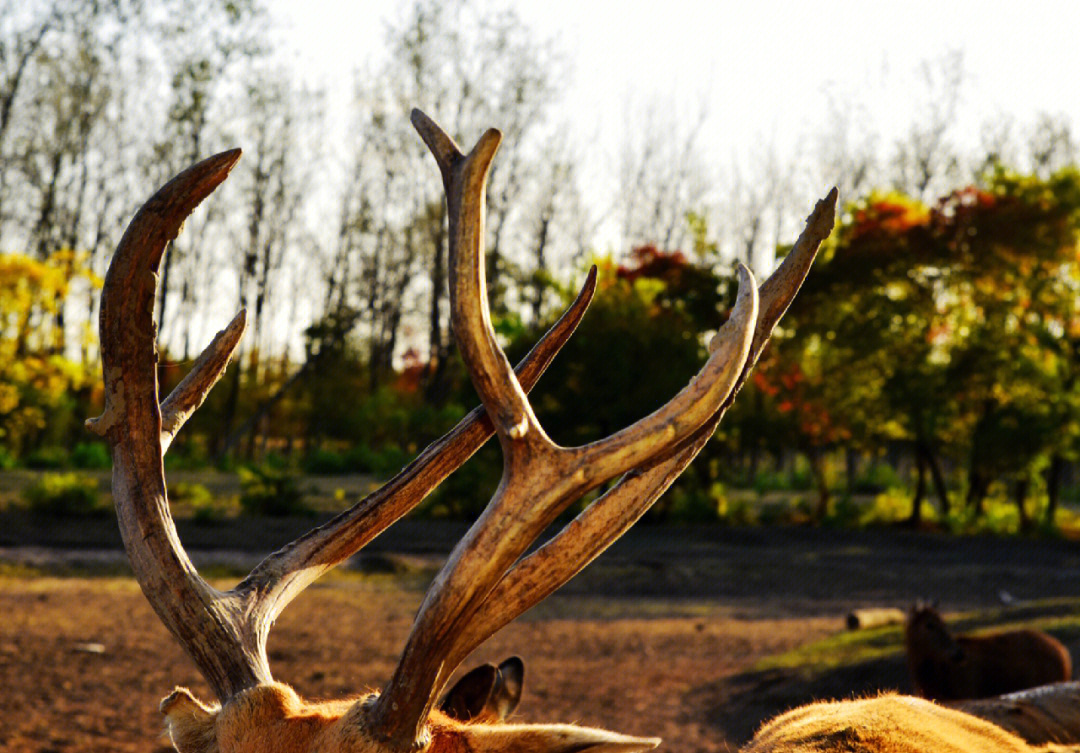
<point>36,380</point>
<point>9,398</point>
<point>28,283</point>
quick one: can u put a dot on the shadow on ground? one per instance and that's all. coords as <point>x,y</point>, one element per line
<point>852,665</point>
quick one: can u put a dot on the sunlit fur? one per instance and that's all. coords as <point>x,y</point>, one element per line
<point>946,667</point>
<point>272,718</point>
<point>885,724</point>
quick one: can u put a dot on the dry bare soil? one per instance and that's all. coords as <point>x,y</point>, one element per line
<point>664,635</point>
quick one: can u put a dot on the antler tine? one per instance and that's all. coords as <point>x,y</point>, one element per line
<point>539,478</point>
<point>544,571</point>
<point>187,396</point>
<point>582,540</point>
<point>779,290</point>
<point>225,633</point>
<point>282,575</point>
<point>690,408</point>
<point>465,181</point>
<point>201,618</point>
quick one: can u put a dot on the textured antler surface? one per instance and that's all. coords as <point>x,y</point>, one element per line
<point>477,591</point>
<point>225,632</point>
<point>205,621</point>
<point>487,580</point>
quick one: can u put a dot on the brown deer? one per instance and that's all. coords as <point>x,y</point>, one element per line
<point>945,667</point>
<point>489,577</point>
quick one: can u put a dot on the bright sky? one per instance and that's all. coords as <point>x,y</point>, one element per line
<point>759,68</point>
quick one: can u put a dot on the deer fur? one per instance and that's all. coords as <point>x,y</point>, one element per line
<point>945,667</point>
<point>273,718</point>
<point>1040,720</point>
<point>884,724</point>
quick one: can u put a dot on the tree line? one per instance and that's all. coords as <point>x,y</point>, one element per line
<point>937,324</point>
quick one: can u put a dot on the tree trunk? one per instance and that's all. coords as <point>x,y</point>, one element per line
<point>915,519</point>
<point>228,414</point>
<point>1020,490</point>
<point>978,485</point>
<point>817,469</point>
<point>851,468</point>
<point>1053,488</point>
<point>923,449</point>
<point>232,439</point>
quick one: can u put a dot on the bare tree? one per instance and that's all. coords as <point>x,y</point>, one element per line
<point>1051,145</point>
<point>390,265</point>
<point>847,146</point>
<point>203,43</point>
<point>926,162</point>
<point>661,179</point>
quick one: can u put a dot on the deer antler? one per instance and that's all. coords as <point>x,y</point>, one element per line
<point>541,573</point>
<point>540,479</point>
<point>486,582</point>
<point>225,632</point>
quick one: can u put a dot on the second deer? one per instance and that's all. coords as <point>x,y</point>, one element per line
<point>947,667</point>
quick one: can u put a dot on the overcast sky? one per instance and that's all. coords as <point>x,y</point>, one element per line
<point>759,66</point>
<point>760,70</point>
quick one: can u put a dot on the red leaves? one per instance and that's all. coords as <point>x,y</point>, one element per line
<point>649,261</point>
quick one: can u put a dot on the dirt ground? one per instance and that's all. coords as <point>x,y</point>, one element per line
<point>656,638</point>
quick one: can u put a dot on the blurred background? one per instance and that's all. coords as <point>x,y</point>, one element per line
<point>927,373</point>
<point>911,432</point>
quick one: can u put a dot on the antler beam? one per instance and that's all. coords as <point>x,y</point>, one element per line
<point>225,632</point>
<point>477,592</point>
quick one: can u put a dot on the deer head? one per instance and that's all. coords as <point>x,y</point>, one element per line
<point>486,582</point>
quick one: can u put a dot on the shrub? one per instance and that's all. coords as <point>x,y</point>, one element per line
<point>382,463</point>
<point>186,456</point>
<point>91,455</point>
<point>46,458</point>
<point>325,462</point>
<point>276,460</point>
<point>894,505</point>
<point>876,479</point>
<point>737,512</point>
<point>271,492</point>
<point>7,460</point>
<point>690,504</point>
<point>198,500</point>
<point>69,494</point>
<point>842,512</point>
<point>189,493</point>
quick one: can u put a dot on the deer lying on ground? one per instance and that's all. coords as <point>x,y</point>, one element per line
<point>945,667</point>
<point>489,577</point>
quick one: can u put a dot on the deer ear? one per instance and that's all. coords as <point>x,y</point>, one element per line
<point>469,697</point>
<point>506,695</point>
<point>551,738</point>
<point>486,693</point>
<point>190,722</point>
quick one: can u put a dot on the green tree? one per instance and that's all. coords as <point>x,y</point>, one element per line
<point>1016,271</point>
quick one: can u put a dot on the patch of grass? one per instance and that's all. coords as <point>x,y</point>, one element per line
<point>91,455</point>
<point>849,648</point>
<point>842,649</point>
<point>68,494</point>
<point>272,492</point>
